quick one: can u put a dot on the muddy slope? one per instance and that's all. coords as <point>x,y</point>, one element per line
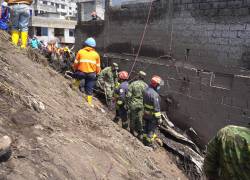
<point>57,136</point>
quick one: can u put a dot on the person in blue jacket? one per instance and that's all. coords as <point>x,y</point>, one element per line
<point>35,43</point>
<point>5,16</point>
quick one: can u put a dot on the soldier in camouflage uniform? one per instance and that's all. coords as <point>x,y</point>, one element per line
<point>135,104</point>
<point>108,80</point>
<point>228,154</point>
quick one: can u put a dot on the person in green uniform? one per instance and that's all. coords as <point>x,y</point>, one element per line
<point>228,154</point>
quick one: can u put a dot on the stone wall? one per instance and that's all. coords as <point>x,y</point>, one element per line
<point>200,48</point>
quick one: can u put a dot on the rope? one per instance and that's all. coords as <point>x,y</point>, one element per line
<point>143,36</point>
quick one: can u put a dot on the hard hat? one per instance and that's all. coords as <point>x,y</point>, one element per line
<point>66,49</point>
<point>142,74</point>
<point>123,75</point>
<point>90,42</point>
<point>115,66</point>
<point>156,81</point>
<point>4,4</point>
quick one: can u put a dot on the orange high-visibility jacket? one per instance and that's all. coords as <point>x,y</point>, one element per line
<point>87,61</point>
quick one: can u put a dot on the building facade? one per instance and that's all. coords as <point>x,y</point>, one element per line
<point>54,20</point>
<point>86,7</point>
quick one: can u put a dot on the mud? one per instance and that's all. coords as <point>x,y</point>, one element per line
<point>66,139</point>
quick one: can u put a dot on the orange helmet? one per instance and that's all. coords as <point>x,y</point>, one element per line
<point>156,81</point>
<point>123,75</point>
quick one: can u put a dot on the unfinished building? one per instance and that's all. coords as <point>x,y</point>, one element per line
<point>200,48</point>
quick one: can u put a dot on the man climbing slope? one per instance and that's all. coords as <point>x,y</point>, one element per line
<point>20,15</point>
<point>87,65</point>
<point>135,104</point>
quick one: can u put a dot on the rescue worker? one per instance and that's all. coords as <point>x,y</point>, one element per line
<point>107,81</point>
<point>87,66</point>
<point>120,98</point>
<point>20,12</point>
<point>67,60</point>
<point>228,154</point>
<point>152,111</point>
<point>35,43</point>
<point>135,104</point>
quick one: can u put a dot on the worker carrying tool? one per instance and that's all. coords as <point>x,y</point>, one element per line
<point>135,104</point>
<point>87,66</point>
<point>107,81</point>
<point>228,154</point>
<point>152,110</point>
<point>120,99</point>
<point>20,15</point>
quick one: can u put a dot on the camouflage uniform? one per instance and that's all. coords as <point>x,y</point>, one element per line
<point>135,106</point>
<point>107,80</point>
<point>228,154</point>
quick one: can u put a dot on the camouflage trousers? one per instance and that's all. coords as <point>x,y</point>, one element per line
<point>136,120</point>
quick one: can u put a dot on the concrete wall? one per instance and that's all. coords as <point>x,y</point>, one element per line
<point>200,48</point>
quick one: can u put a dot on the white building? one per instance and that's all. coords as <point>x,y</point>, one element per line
<point>86,7</point>
<point>64,8</point>
<point>54,20</point>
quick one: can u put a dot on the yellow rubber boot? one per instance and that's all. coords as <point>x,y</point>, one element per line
<point>24,38</point>
<point>15,37</point>
<point>89,99</point>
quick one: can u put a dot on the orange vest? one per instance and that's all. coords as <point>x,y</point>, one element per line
<point>87,61</point>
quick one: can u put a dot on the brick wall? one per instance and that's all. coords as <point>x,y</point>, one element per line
<point>202,50</point>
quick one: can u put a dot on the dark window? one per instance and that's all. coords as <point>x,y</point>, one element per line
<point>38,31</point>
<point>71,33</point>
<point>62,6</point>
<point>44,2</point>
<point>44,31</point>
<point>41,31</point>
<point>59,32</point>
<point>57,5</point>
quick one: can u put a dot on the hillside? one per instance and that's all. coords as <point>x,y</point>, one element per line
<point>57,136</point>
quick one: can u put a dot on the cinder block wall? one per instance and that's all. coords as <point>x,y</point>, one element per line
<point>200,48</point>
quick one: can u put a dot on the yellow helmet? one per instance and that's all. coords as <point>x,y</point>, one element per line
<point>66,49</point>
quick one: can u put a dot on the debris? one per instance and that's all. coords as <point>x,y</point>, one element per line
<point>37,105</point>
<point>5,151</point>
<point>191,159</point>
<point>166,119</point>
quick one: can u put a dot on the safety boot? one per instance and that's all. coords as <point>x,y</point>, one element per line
<point>24,38</point>
<point>89,100</point>
<point>15,37</point>
<point>5,151</point>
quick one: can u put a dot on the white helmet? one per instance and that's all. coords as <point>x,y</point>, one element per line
<point>4,4</point>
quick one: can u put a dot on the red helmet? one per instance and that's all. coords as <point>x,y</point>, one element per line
<point>123,75</point>
<point>156,81</point>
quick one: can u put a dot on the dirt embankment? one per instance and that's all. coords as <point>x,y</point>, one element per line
<point>57,136</point>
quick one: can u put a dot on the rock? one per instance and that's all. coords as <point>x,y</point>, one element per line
<point>5,151</point>
<point>37,105</point>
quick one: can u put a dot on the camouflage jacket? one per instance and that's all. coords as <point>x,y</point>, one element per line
<point>135,93</point>
<point>228,154</point>
<point>107,77</point>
